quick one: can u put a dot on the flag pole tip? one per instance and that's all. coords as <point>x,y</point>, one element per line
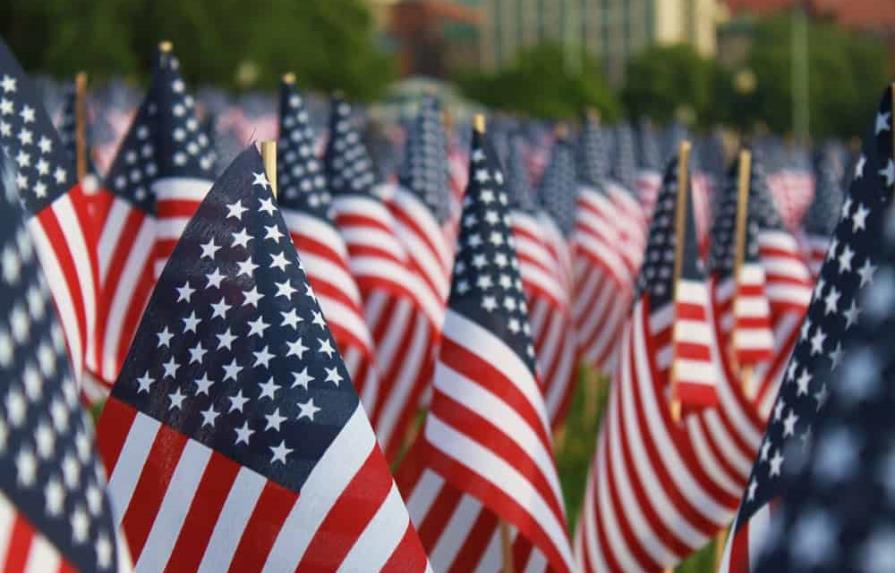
<point>289,78</point>
<point>561,131</point>
<point>593,114</point>
<point>478,123</point>
<point>165,46</point>
<point>81,78</point>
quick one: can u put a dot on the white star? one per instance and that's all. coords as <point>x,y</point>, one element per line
<point>209,416</point>
<point>220,309</point>
<point>274,420</point>
<point>80,525</point>
<point>280,452</point>
<point>268,389</point>
<point>302,378</point>
<point>204,384</point>
<point>55,496</point>
<point>882,122</point>
<point>831,301</point>
<point>845,259</point>
<point>776,464</point>
<point>279,261</point>
<point>232,370</point>
<point>291,318</point>
<point>225,340</point>
<point>214,279</point>
<point>332,375</point>
<point>252,297</point>
<point>176,399</point>
<point>241,239</point>
<point>866,272</point>
<point>258,327</point>
<point>889,173</point>
<point>27,114</point>
<point>237,402</point>
<point>821,396</point>
<point>246,267</point>
<point>318,319</point>
<point>817,341</point>
<point>802,382</point>
<point>164,337</point>
<point>262,358</point>
<point>267,206</point>
<point>103,549</point>
<point>836,356</point>
<point>209,249</point>
<point>170,367</point>
<point>145,382</point>
<point>191,322</point>
<point>308,410</point>
<point>489,303</point>
<point>243,434</point>
<point>859,219</point>
<point>859,167</point>
<point>285,289</point>
<point>326,347</point>
<point>236,210</point>
<point>296,348</point>
<point>197,353</point>
<point>753,486</point>
<point>8,83</point>
<point>273,233</point>
<point>851,315</point>
<point>26,467</point>
<point>261,180</point>
<point>789,424</point>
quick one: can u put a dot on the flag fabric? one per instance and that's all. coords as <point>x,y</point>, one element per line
<point>68,128</point>
<point>403,315</point>
<point>485,452</point>
<point>233,436</point>
<point>823,214</point>
<point>54,514</point>
<point>790,181</point>
<point>60,223</point>
<point>742,310</point>
<point>305,203</point>
<point>649,172</point>
<point>660,489</point>
<point>604,265</point>
<point>850,265</point>
<point>159,176</point>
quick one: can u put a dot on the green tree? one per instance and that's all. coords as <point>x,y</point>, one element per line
<point>539,84</point>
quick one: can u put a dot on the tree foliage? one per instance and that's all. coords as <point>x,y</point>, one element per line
<point>329,44</point>
<point>539,84</point>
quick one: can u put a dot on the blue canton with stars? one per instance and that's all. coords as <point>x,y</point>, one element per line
<point>44,169</point>
<point>823,214</point>
<point>487,287</point>
<point>348,166</point>
<point>850,265</point>
<point>165,139</point>
<point>50,471</point>
<point>558,189</point>
<point>425,168</point>
<point>522,196</point>
<point>300,180</point>
<point>723,250</point>
<point>233,350</point>
<point>624,160</point>
<point>592,152</point>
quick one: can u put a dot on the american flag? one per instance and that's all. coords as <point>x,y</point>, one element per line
<point>68,128</point>
<point>54,515</point>
<point>649,173</point>
<point>823,214</point>
<point>234,436</point>
<point>159,176</point>
<point>61,224</point>
<point>485,454</point>
<point>545,266</point>
<point>623,167</point>
<point>850,265</point>
<point>741,306</point>
<point>660,489</point>
<point>603,264</point>
<point>788,284</point>
<point>403,315</point>
<point>305,203</point>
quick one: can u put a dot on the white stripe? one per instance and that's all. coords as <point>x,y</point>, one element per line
<point>62,296</point>
<point>480,342</point>
<point>43,557</point>
<point>423,495</point>
<point>368,236</point>
<point>174,508</point>
<point>692,292</point>
<point>786,267</point>
<point>707,460</point>
<point>489,406</point>
<point>386,270</point>
<point>799,295</point>
<point>501,475</point>
<point>412,359</point>
<point>695,331</point>
<point>181,189</point>
<point>170,228</point>
<point>455,532</point>
<point>751,306</point>
<point>232,521</point>
<point>314,229</point>
<point>719,434</point>
<point>760,338</point>
<point>130,463</point>
<point>111,234</point>
<point>7,519</point>
<point>425,259</point>
<point>372,550</point>
<point>758,529</point>
<point>332,474</point>
<point>420,214</point>
<point>324,270</point>
<point>696,371</point>
<point>337,314</point>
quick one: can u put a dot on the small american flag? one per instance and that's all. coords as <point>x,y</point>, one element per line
<point>850,265</point>
<point>234,436</point>
<point>823,214</point>
<point>159,176</point>
<point>54,515</point>
<point>61,224</point>
<point>485,450</point>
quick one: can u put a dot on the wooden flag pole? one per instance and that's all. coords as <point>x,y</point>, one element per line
<point>506,540</point>
<point>744,177</point>
<point>81,125</point>
<point>680,225</point>
<point>269,157</point>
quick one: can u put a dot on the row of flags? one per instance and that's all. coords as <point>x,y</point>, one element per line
<point>263,347</point>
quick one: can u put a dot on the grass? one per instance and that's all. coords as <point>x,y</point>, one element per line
<point>576,447</point>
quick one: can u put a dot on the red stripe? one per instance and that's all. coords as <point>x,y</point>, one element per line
<point>408,556</point>
<point>475,543</point>
<point>112,431</point>
<point>739,551</point>
<point>348,517</point>
<point>203,514</point>
<point>438,515</point>
<point>271,510</point>
<point>152,486</point>
<point>176,208</point>
<point>19,548</point>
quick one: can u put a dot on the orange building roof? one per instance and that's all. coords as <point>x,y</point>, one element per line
<point>857,14</point>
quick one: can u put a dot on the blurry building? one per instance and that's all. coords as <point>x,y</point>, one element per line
<point>434,37</point>
<point>610,30</point>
